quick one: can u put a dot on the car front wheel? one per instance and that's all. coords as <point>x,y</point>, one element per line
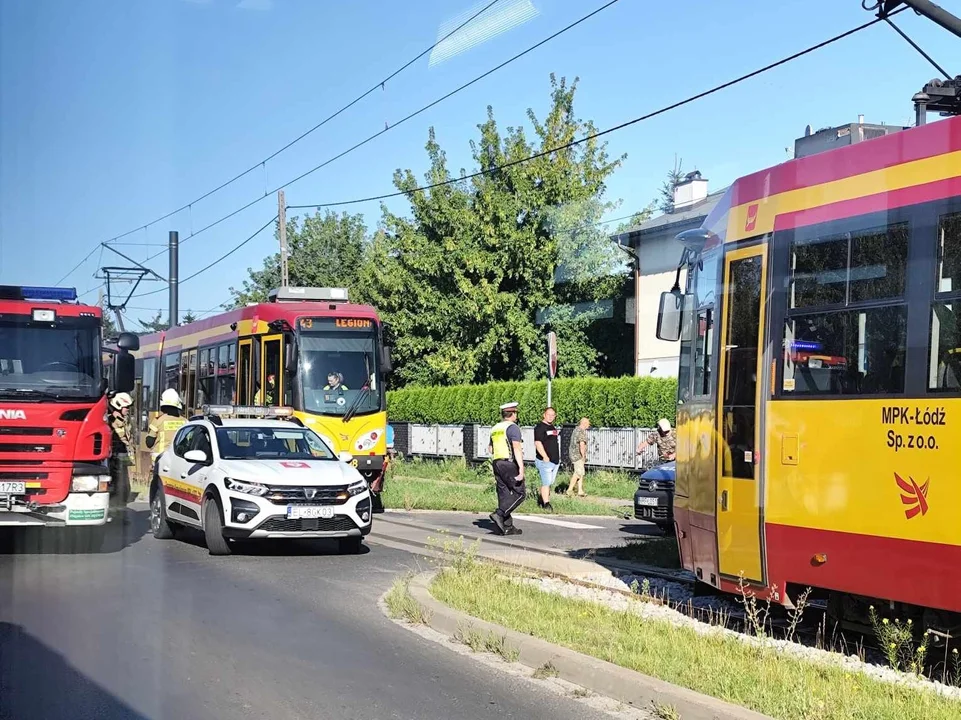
<point>214,529</point>
<point>160,526</point>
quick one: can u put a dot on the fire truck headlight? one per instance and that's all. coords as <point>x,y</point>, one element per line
<point>90,483</point>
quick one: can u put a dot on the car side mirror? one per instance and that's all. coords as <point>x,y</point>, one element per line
<point>196,456</point>
<point>386,365</point>
<point>345,457</point>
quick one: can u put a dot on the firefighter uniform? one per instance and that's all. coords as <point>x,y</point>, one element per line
<point>511,488</point>
<point>163,427</point>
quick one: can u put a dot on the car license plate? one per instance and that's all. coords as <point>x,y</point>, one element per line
<point>646,501</point>
<point>13,488</point>
<point>297,512</point>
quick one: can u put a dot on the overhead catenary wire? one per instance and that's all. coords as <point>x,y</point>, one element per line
<point>263,162</point>
<point>392,126</point>
<point>218,260</point>
<point>543,153</point>
<point>601,133</point>
<point>917,47</point>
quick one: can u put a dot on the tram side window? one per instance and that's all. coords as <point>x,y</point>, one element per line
<point>944,359</point>
<point>226,373</point>
<point>172,371</point>
<point>148,392</point>
<point>703,347</point>
<point>206,376</point>
<point>831,346</point>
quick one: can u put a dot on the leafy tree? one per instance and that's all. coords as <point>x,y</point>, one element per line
<point>665,201</point>
<point>463,281</point>
<point>110,329</point>
<point>158,324</point>
<point>324,251</point>
<point>188,318</point>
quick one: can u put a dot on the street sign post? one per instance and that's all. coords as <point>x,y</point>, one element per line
<point>551,362</point>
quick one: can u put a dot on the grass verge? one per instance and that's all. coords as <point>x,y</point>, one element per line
<point>401,604</point>
<point>762,679</point>
<point>405,493</point>
<point>604,483</point>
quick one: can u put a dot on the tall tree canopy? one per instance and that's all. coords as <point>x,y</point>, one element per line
<point>323,251</point>
<point>466,282</point>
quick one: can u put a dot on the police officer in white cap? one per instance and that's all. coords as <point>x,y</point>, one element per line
<point>507,453</point>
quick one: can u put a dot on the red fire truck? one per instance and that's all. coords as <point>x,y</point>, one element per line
<point>55,440</point>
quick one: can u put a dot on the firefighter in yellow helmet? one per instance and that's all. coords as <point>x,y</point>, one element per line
<point>163,428</point>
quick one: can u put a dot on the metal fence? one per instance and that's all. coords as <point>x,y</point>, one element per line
<point>606,447</point>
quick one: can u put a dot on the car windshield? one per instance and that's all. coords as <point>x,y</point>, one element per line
<point>339,370</point>
<point>259,443</point>
<point>59,359</point>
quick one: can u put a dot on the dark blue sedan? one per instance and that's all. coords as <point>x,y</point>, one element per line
<point>654,499</point>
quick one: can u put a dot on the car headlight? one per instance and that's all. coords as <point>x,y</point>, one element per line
<point>357,488</point>
<point>248,488</point>
<point>90,483</point>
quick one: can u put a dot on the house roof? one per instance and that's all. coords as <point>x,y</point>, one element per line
<point>689,216</point>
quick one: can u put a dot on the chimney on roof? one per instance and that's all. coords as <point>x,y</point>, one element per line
<point>690,191</point>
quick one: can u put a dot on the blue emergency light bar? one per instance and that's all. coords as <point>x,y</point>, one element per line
<point>33,292</point>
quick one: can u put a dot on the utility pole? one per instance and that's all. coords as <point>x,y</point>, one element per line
<point>173,249</point>
<point>282,232</point>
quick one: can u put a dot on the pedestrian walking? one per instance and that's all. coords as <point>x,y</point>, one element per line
<point>665,438</point>
<point>578,456</point>
<point>507,453</point>
<point>547,443</point>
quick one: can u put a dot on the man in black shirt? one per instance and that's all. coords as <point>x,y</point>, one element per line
<point>547,442</point>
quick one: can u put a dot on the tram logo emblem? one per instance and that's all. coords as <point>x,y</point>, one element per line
<point>913,495</point>
<point>751,221</point>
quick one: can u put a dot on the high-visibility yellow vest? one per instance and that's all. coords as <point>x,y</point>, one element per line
<point>164,427</point>
<point>502,449</point>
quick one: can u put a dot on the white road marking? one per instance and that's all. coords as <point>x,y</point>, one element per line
<point>559,523</point>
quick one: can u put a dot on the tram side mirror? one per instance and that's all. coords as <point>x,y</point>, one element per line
<point>669,316</point>
<point>291,355</point>
<point>385,361</point>
<point>125,372</point>
<point>128,341</point>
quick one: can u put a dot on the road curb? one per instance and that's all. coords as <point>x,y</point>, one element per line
<point>599,676</point>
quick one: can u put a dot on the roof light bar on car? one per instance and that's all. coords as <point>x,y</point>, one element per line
<point>248,411</point>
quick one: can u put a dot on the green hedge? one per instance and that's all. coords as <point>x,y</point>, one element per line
<point>608,402</point>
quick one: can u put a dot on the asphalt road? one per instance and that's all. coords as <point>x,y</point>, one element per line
<point>575,535</point>
<point>159,629</point>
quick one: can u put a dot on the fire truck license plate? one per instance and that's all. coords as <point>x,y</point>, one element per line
<point>13,488</point>
<point>296,512</point>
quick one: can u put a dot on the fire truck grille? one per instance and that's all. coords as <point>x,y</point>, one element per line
<point>26,431</point>
<point>13,475</point>
<point>23,448</point>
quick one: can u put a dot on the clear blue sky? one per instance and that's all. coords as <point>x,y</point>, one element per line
<point>115,112</point>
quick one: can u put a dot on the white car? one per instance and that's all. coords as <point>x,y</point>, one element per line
<point>257,478</point>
